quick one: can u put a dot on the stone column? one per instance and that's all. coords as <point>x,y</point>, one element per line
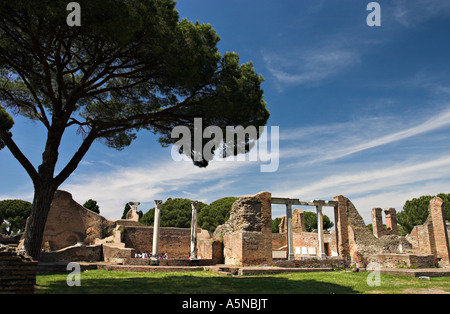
<point>155,258</point>
<point>193,255</point>
<point>321,252</point>
<point>290,232</point>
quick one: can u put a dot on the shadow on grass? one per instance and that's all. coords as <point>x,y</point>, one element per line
<point>182,284</point>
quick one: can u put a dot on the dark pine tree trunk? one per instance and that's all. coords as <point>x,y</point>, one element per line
<point>34,232</point>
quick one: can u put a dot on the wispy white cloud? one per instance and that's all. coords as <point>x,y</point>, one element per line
<point>385,185</point>
<point>311,66</point>
<point>382,177</point>
<point>335,141</point>
<point>313,164</point>
<point>436,82</point>
<point>410,13</point>
<point>146,181</point>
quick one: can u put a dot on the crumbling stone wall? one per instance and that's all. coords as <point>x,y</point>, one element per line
<point>279,242</point>
<point>432,236</point>
<point>247,235</point>
<point>363,245</point>
<point>391,222</point>
<point>17,272</point>
<point>75,253</point>
<point>69,223</point>
<point>390,260</point>
<point>421,238</point>
<point>298,222</point>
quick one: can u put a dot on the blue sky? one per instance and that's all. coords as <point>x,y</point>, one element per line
<point>362,111</point>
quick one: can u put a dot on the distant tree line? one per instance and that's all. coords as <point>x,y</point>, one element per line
<point>415,211</point>
<point>177,213</point>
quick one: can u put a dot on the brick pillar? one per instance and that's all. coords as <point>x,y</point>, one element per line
<point>341,222</point>
<point>298,221</point>
<point>436,211</point>
<point>377,222</point>
<point>247,235</point>
<point>391,220</point>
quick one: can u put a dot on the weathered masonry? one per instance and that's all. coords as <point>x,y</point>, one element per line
<point>17,272</point>
<point>377,222</point>
<point>73,233</point>
<point>432,236</point>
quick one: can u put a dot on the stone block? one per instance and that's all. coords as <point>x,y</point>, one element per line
<point>247,235</point>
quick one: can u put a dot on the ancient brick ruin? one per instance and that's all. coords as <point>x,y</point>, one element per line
<point>377,222</point>
<point>17,272</point>
<point>247,235</point>
<point>73,233</point>
<point>432,236</point>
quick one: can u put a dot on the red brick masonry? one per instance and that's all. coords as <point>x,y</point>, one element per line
<point>17,273</point>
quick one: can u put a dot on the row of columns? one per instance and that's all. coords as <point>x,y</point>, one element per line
<point>193,239</point>
<point>290,234</point>
<point>154,259</point>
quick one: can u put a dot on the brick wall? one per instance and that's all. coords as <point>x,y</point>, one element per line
<point>406,260</point>
<point>432,236</point>
<point>17,273</point>
<point>279,240</point>
<point>176,242</point>
<point>91,253</point>
<point>311,263</point>
<point>69,223</point>
<point>422,238</point>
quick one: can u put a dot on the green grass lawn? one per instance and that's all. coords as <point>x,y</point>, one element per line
<point>206,282</point>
